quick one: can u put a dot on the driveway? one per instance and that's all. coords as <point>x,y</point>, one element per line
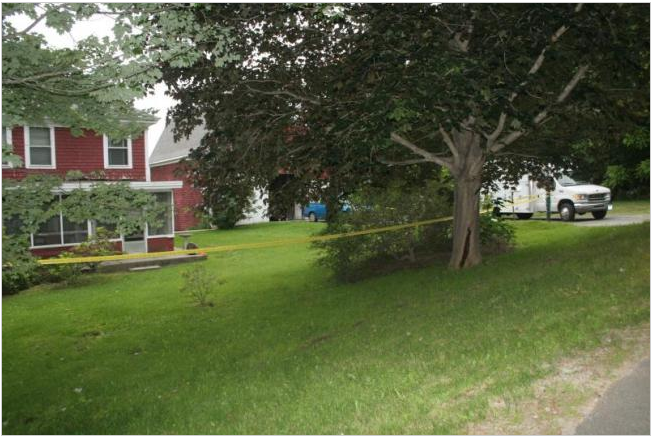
<point>624,408</point>
<point>610,219</point>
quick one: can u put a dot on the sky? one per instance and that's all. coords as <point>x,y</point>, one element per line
<point>102,26</point>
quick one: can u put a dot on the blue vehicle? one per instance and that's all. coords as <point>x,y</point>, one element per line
<point>315,211</point>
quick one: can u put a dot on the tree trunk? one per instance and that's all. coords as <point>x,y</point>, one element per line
<point>466,242</point>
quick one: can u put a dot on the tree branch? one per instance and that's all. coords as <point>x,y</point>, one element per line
<point>450,144</point>
<point>490,139</point>
<point>541,116</point>
<point>422,152</point>
<point>34,23</point>
<point>521,155</point>
<point>284,92</point>
<point>37,77</point>
<point>541,57</point>
<point>406,162</point>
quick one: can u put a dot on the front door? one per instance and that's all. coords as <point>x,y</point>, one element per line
<point>135,243</point>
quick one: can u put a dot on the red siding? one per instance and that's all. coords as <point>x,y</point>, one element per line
<point>188,199</point>
<point>158,244</point>
<point>161,244</point>
<point>49,252</point>
<point>84,153</point>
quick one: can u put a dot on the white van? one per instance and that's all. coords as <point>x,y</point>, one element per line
<point>569,198</point>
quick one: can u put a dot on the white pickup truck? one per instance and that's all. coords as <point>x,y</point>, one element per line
<point>569,198</point>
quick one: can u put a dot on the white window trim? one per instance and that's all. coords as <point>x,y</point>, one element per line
<point>105,146</point>
<point>145,152</point>
<point>53,154</point>
<point>8,140</point>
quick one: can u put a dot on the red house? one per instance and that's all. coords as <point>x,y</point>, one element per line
<point>165,166</point>
<point>52,149</point>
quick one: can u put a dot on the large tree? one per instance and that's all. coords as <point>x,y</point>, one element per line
<point>483,90</point>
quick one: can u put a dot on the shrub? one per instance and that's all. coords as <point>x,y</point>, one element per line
<point>198,285</point>
<point>19,267</point>
<point>99,244</point>
<point>352,258</point>
<point>68,274</point>
<point>229,209</point>
<point>497,235</point>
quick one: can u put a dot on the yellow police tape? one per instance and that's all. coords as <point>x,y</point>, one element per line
<point>261,245</point>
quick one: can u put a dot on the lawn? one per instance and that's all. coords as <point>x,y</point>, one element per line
<point>631,207</point>
<point>286,349</point>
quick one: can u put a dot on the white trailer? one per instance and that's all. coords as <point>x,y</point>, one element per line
<point>568,198</point>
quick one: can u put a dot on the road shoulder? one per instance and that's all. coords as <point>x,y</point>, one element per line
<point>558,403</point>
<point>624,408</point>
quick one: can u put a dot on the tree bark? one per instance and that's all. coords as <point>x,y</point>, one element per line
<point>466,242</point>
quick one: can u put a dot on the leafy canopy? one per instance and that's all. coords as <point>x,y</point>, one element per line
<point>94,84</point>
<point>325,87</point>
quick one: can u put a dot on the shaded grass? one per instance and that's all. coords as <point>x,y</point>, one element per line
<point>288,350</point>
<point>631,206</point>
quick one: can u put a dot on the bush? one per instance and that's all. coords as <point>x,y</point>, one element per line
<point>198,285</point>
<point>19,267</point>
<point>99,244</point>
<point>497,235</point>
<point>354,257</point>
<point>68,274</point>
<point>227,211</point>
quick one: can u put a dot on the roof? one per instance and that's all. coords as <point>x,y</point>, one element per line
<point>138,116</point>
<point>137,185</point>
<point>168,150</point>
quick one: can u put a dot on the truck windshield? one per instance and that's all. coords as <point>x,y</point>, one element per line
<point>567,181</point>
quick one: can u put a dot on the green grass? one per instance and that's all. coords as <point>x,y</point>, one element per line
<point>631,207</point>
<point>288,350</point>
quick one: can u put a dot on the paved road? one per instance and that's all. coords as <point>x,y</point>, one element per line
<point>610,219</point>
<point>624,408</point>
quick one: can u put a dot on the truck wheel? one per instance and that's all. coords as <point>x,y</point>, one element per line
<point>312,217</point>
<point>567,211</point>
<point>524,215</point>
<point>496,212</point>
<point>599,215</point>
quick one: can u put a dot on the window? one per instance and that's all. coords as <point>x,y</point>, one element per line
<point>117,153</point>
<point>74,232</point>
<point>166,218</point>
<point>109,228</point>
<point>12,224</point>
<point>49,233</point>
<point>59,230</point>
<point>40,147</point>
<point>6,143</point>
